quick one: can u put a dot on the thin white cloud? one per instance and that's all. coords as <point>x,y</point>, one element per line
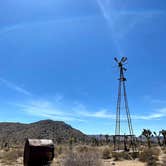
<point>79,112</point>
<point>103,114</point>
<point>47,109</point>
<point>122,20</point>
<point>40,23</point>
<point>107,114</point>
<point>152,116</point>
<point>158,101</point>
<point>15,87</point>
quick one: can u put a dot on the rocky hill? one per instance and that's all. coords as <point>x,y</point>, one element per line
<point>14,134</point>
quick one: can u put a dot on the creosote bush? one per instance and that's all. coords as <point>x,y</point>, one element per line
<point>84,148</point>
<point>82,157</point>
<point>121,156</point>
<point>149,155</point>
<point>11,156</point>
<point>59,150</point>
<point>106,153</point>
<point>164,150</point>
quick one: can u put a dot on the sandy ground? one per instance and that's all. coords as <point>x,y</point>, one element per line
<point>117,163</point>
<point>105,163</point>
<point>123,163</point>
<point>110,162</point>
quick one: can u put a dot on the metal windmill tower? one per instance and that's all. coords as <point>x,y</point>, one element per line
<point>122,92</point>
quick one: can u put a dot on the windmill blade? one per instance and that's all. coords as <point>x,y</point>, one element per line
<point>116,59</point>
<point>124,59</point>
<point>124,69</point>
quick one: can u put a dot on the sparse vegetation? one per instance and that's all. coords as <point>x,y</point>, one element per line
<point>163,132</point>
<point>147,133</point>
<point>106,153</point>
<point>81,150</point>
<point>121,156</point>
<point>15,134</point>
<point>149,155</point>
<point>9,157</point>
<point>82,159</point>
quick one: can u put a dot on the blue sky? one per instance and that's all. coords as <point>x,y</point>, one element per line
<point>56,62</point>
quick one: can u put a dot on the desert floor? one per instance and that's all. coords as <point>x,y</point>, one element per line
<point>105,163</point>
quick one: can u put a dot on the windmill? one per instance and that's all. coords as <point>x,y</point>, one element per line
<point>122,92</point>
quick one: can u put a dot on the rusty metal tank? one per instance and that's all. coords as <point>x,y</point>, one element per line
<point>38,152</point>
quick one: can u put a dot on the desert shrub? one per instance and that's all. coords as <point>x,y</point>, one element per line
<point>82,159</point>
<point>149,155</point>
<point>12,156</point>
<point>164,161</point>
<point>164,150</point>
<point>152,160</point>
<point>121,156</point>
<point>106,153</point>
<point>82,149</point>
<point>59,150</point>
<point>87,149</point>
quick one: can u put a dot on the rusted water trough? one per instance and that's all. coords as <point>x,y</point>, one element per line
<point>38,152</point>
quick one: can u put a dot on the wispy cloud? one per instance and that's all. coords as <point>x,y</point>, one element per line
<point>122,20</point>
<point>153,116</point>
<point>108,114</point>
<point>154,101</point>
<point>47,109</point>
<point>15,87</point>
<point>158,101</point>
<point>102,114</point>
<point>40,23</point>
<point>78,112</point>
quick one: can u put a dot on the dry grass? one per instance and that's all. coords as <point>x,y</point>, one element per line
<point>11,156</point>
<point>150,156</point>
<point>82,159</point>
<point>164,150</point>
<point>81,156</point>
<point>106,153</point>
<point>119,156</point>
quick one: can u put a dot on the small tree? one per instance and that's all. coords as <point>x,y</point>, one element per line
<point>95,141</point>
<point>163,132</point>
<point>107,139</point>
<point>147,133</point>
<point>71,141</point>
<point>158,137</point>
<point>100,139</point>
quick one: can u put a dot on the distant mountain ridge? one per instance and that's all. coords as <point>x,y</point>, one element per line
<point>15,134</point>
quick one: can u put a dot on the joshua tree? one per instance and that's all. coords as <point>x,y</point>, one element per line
<point>95,141</point>
<point>71,141</point>
<point>107,139</point>
<point>163,132</point>
<point>158,137</point>
<point>100,139</point>
<point>147,133</point>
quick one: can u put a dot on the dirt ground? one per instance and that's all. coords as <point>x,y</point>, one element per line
<point>108,162</point>
<point>115,163</point>
<point>105,163</point>
<point>123,163</point>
